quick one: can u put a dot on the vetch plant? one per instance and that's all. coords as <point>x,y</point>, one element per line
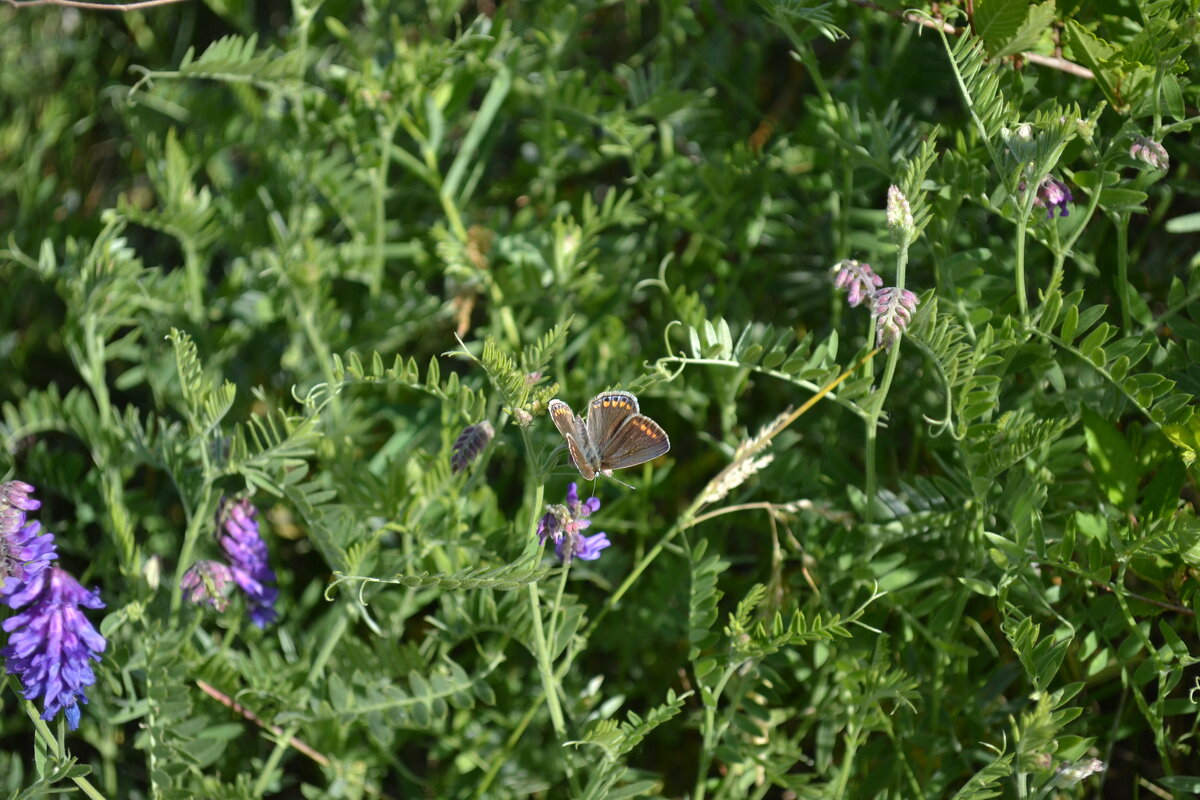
<point>285,313</point>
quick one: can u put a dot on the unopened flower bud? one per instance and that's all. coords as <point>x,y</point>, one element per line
<point>899,215</point>
<point>1150,152</point>
<point>470,443</point>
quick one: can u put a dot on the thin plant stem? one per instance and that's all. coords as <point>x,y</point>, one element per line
<point>387,135</point>
<point>688,518</point>
<point>199,517</point>
<point>506,750</point>
<point>1122,223</point>
<point>843,777</point>
<point>1065,247</point>
<point>707,515</point>
<point>711,736</point>
<point>541,648</point>
<point>869,470</point>
<point>318,666</point>
<point>51,742</point>
<point>238,708</point>
<point>881,394</point>
<point>545,667</point>
<point>1022,300</point>
<point>92,6</point>
<point>557,607</point>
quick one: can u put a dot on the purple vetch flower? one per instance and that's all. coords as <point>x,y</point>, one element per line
<point>892,311</point>
<point>248,559</point>
<point>207,582</point>
<point>858,278</point>
<point>550,526</point>
<point>564,524</point>
<point>1051,194</point>
<point>24,549</point>
<point>24,553</point>
<point>585,548</point>
<point>15,494</point>
<point>580,511</point>
<point>52,643</point>
<point>1150,152</point>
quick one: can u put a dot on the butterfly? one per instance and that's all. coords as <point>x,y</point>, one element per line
<point>615,435</point>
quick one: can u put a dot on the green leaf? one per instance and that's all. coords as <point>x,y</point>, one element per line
<point>479,128</point>
<point>1033,29</point>
<point>997,21</point>
<point>1173,96</point>
<point>1181,783</point>
<point>1187,223</point>
<point>1095,54</point>
<point>979,587</point>
<point>1122,200</point>
<point>1187,437</point>
<point>1113,462</point>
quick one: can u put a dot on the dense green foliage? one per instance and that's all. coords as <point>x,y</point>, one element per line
<point>292,253</point>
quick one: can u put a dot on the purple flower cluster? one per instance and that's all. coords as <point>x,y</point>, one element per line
<point>247,554</point>
<point>207,582</point>
<point>1148,151</point>
<point>51,643</point>
<point>564,524</point>
<point>24,549</point>
<point>891,307</point>
<point>1052,194</point>
<point>892,311</point>
<point>857,278</point>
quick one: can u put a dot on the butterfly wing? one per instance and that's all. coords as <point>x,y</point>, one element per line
<point>572,429</point>
<point>638,440</point>
<point>606,414</point>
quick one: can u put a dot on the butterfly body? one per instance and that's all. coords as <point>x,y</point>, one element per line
<point>615,434</point>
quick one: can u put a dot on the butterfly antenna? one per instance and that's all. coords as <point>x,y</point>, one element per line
<point>618,480</point>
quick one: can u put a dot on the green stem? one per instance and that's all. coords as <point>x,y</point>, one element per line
<point>710,733</point>
<point>843,777</point>
<point>503,756</point>
<point>870,477</point>
<point>318,666</point>
<point>194,275</point>
<point>1122,223</point>
<point>379,190</point>
<point>558,596</point>
<point>198,519</point>
<point>320,347</point>
<point>545,667</point>
<point>1022,300</point>
<point>881,394</point>
<point>453,217</point>
<point>541,649</point>
<point>1060,254</point>
<point>688,517</point>
<point>684,521</point>
<point>51,742</point>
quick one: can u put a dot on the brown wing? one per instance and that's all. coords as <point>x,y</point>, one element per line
<point>638,440</point>
<point>606,413</point>
<point>572,429</point>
